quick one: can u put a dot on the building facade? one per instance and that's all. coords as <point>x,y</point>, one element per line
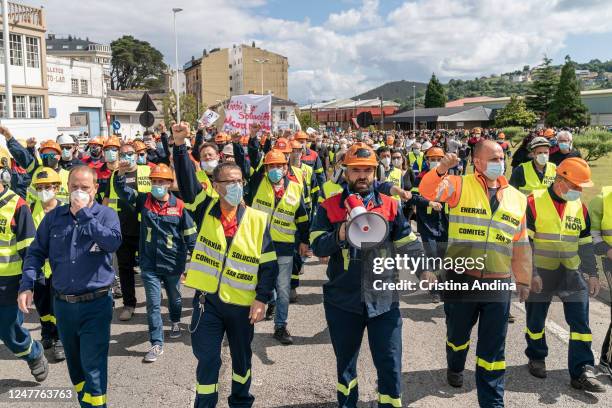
<point>339,114</point>
<point>121,106</point>
<point>80,50</point>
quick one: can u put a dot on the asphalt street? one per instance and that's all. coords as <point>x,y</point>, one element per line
<point>304,375</point>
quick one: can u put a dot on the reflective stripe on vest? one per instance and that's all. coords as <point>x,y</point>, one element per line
<point>143,183</point>
<point>606,217</point>
<point>532,182</point>
<point>281,217</point>
<point>37,215</point>
<point>232,271</point>
<point>474,232</point>
<point>206,184</point>
<point>10,261</point>
<point>556,238</point>
<point>61,195</point>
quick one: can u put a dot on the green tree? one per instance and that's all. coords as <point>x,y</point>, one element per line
<point>515,113</point>
<point>136,64</point>
<point>435,96</point>
<point>306,121</point>
<point>189,111</point>
<point>543,88</point>
<point>567,108</point>
<point>593,144</point>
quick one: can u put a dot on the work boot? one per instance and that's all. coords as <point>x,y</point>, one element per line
<point>175,331</point>
<point>537,368</point>
<point>293,297</point>
<point>283,336</point>
<point>47,343</point>
<point>154,352</point>
<point>587,381</point>
<point>454,379</point>
<point>270,312</point>
<point>605,368</point>
<point>58,351</point>
<point>39,368</point>
<point>126,313</point>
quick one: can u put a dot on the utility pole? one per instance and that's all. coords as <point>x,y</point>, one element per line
<point>414,109</point>
<point>8,86</point>
<point>178,96</point>
<point>261,61</point>
<point>381,113</point>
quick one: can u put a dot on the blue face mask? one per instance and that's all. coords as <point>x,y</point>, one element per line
<point>494,170</point>
<point>233,194</point>
<point>110,155</point>
<point>571,195</point>
<point>564,146</point>
<point>159,191</point>
<point>66,154</point>
<point>130,159</point>
<point>141,159</point>
<point>275,175</point>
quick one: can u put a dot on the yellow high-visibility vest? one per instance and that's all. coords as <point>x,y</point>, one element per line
<point>475,232</point>
<point>206,184</point>
<point>62,194</point>
<point>330,189</point>
<point>38,213</point>
<point>606,219</point>
<point>395,177</point>
<point>10,261</point>
<point>555,238</point>
<point>143,184</point>
<point>230,271</point>
<point>532,182</point>
<point>281,217</point>
<point>419,159</point>
<point>304,176</point>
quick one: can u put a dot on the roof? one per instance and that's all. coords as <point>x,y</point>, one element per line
<point>349,103</point>
<point>69,43</point>
<point>454,114</point>
<point>276,101</point>
<point>462,101</point>
<point>133,94</point>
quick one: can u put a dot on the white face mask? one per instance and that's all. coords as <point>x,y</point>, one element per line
<point>209,166</point>
<point>45,195</point>
<point>542,159</point>
<point>397,162</point>
<point>386,161</point>
<point>80,195</point>
<point>433,165</point>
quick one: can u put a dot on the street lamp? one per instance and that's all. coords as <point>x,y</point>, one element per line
<point>261,61</point>
<point>178,103</point>
<point>414,109</point>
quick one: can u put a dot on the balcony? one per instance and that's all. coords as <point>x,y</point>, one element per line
<point>26,16</point>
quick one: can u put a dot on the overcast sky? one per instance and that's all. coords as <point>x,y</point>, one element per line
<point>338,48</point>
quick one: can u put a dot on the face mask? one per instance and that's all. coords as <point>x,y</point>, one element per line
<point>110,156</point>
<point>553,142</point>
<point>209,166</point>
<point>80,195</point>
<point>336,146</point>
<point>142,159</point>
<point>233,194</point>
<point>433,165</point>
<point>494,170</point>
<point>337,176</point>
<point>386,161</point>
<point>45,195</point>
<point>158,191</point>
<point>564,146</point>
<point>571,195</point>
<point>275,175</point>
<point>66,154</point>
<point>130,159</point>
<point>95,151</point>
<point>416,151</point>
<point>397,162</point>
<point>318,144</point>
<point>49,161</point>
<point>542,159</point>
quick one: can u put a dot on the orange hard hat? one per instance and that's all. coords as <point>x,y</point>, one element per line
<point>300,135</point>
<point>275,157</point>
<point>360,154</point>
<point>95,141</point>
<point>161,171</point>
<point>296,145</point>
<point>576,170</point>
<point>222,137</point>
<point>434,152</point>
<point>548,133</point>
<point>112,141</point>
<point>282,145</point>
<point>477,130</point>
<point>501,135</point>
<point>50,144</point>
<point>139,146</point>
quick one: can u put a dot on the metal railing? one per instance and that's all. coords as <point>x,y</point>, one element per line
<point>25,15</point>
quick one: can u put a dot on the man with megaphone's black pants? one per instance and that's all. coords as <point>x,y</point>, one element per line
<point>347,314</point>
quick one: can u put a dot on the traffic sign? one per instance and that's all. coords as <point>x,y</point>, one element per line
<point>146,104</point>
<point>116,125</point>
<point>146,119</point>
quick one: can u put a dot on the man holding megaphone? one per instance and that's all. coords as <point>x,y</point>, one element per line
<point>357,215</point>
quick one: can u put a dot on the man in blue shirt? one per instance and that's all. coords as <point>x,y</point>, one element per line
<point>78,239</point>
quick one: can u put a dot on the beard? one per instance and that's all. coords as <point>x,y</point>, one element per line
<point>360,186</point>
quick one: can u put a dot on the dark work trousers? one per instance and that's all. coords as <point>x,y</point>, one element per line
<point>43,300</point>
<point>208,327</point>
<point>126,258</point>
<point>16,337</point>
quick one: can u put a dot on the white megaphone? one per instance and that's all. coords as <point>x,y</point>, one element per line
<point>363,226</point>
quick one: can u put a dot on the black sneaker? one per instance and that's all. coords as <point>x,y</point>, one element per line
<point>537,368</point>
<point>293,296</point>
<point>47,343</point>
<point>39,368</point>
<point>283,336</point>
<point>58,351</point>
<point>454,379</point>
<point>270,312</point>
<point>587,381</point>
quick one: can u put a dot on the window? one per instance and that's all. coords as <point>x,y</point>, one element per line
<point>283,115</point>
<point>79,47</point>
<point>84,88</point>
<point>2,106</point>
<point>49,47</point>
<point>36,107</point>
<point>16,50</point>
<point>65,47</point>
<point>75,86</point>
<point>1,48</point>
<point>19,106</point>
<point>32,58</point>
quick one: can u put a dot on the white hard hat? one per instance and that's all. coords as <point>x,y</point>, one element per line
<point>65,140</point>
<point>228,150</point>
<point>426,146</point>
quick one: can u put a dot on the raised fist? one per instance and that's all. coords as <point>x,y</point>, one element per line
<point>180,132</point>
<point>449,161</point>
